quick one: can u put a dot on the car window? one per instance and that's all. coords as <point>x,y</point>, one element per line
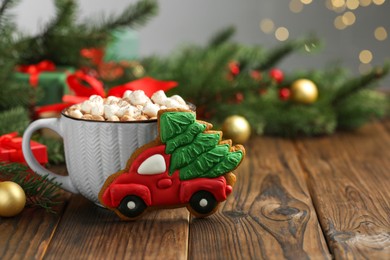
<point>155,164</point>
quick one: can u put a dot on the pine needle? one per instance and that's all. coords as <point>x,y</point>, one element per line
<point>40,191</point>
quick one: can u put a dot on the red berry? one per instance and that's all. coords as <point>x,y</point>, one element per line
<point>256,75</point>
<point>239,97</point>
<point>277,75</point>
<point>284,94</point>
<point>234,68</point>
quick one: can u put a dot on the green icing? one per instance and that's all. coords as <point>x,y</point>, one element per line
<point>186,138</point>
<point>204,163</point>
<point>173,124</point>
<point>184,155</point>
<point>231,161</point>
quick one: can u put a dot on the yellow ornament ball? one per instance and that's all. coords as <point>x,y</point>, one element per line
<point>304,91</point>
<point>12,199</point>
<point>236,128</point>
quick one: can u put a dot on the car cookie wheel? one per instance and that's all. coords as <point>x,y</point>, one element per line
<point>203,204</point>
<point>132,206</point>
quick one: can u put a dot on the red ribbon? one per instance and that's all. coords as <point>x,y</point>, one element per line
<point>35,69</point>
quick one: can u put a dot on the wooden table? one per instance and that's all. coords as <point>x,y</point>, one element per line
<point>314,198</point>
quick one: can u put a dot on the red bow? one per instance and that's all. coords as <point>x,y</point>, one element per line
<point>83,91</point>
<point>35,69</point>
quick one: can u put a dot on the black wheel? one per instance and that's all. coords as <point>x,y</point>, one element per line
<point>132,206</point>
<point>203,203</point>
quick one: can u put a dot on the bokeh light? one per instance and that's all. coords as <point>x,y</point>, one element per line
<point>281,34</point>
<point>378,2</point>
<point>380,33</point>
<point>339,23</point>
<point>295,6</point>
<point>267,25</point>
<point>365,2</point>
<point>352,4</point>
<point>306,2</point>
<point>365,56</point>
<point>348,18</point>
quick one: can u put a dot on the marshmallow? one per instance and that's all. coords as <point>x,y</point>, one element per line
<point>127,118</point>
<point>150,109</point>
<point>76,113</point>
<point>97,109</point>
<point>179,99</point>
<point>159,97</point>
<point>127,94</point>
<point>111,100</point>
<point>171,103</point>
<point>138,97</point>
<point>87,117</point>
<point>113,118</point>
<point>98,118</point>
<point>110,110</point>
<point>134,105</point>
<point>96,99</point>
<point>86,106</point>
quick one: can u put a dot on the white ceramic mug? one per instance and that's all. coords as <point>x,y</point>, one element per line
<point>93,150</point>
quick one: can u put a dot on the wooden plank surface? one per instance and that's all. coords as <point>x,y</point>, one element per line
<point>28,235</point>
<point>349,178</point>
<point>269,215</point>
<point>90,232</point>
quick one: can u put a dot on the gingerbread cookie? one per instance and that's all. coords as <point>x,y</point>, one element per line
<point>188,164</point>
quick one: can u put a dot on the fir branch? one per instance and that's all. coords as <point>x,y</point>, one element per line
<point>222,37</point>
<point>64,18</point>
<point>40,191</point>
<point>132,16</point>
<point>15,94</point>
<point>5,5</point>
<point>358,83</point>
<point>13,120</point>
<point>280,52</point>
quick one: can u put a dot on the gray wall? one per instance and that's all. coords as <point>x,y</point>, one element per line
<point>183,21</point>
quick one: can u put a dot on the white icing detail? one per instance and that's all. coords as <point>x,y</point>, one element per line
<point>155,164</point>
<point>203,203</point>
<point>131,205</point>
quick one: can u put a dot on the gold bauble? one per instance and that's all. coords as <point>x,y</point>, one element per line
<point>304,91</point>
<point>236,128</point>
<point>12,199</point>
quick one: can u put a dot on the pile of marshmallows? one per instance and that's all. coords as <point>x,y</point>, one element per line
<point>134,105</point>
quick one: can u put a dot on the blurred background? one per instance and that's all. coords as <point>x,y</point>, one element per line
<point>354,32</point>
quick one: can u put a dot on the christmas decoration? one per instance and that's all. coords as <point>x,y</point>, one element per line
<point>304,91</point>
<point>236,128</point>
<point>48,77</point>
<point>216,74</point>
<point>60,41</point>
<point>39,191</point>
<point>187,164</point>
<point>276,75</point>
<point>12,199</point>
<point>11,149</point>
<point>284,93</point>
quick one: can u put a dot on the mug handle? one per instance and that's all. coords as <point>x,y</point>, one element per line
<point>53,124</point>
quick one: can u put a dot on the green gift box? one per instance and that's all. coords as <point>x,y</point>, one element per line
<point>53,84</point>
